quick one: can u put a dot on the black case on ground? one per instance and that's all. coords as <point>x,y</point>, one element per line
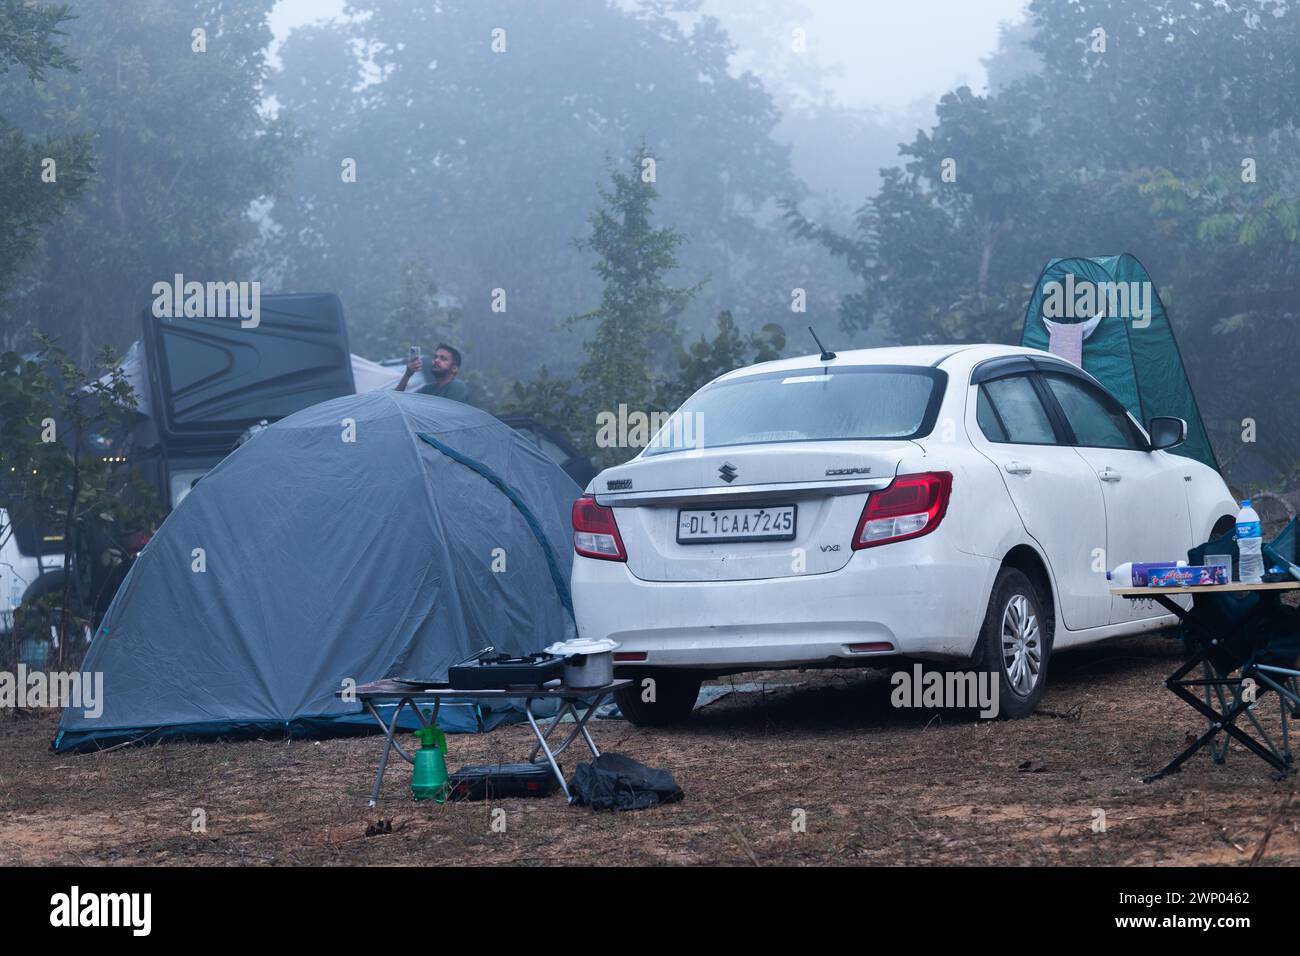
<point>486,781</point>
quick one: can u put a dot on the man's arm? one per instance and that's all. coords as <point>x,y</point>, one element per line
<point>412,367</point>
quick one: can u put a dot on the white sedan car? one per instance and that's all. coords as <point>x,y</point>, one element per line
<point>954,504</point>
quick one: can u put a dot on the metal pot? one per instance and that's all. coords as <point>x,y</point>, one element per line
<point>587,663</point>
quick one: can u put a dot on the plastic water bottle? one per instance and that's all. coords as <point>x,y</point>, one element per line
<point>1250,564</point>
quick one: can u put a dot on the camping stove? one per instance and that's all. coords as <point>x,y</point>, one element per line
<point>489,671</point>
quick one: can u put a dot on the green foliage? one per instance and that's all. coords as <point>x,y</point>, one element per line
<point>636,328</point>
<point>1145,147</point>
<point>29,203</point>
<point>481,162</point>
<point>563,405</point>
<point>705,359</point>
<point>57,474</point>
<point>555,402</point>
<point>635,358</point>
<point>1014,59</point>
<point>27,32</point>
<point>183,150</point>
<point>919,218</point>
<point>415,314</point>
<point>49,410</point>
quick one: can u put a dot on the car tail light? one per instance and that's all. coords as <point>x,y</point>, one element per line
<point>135,542</point>
<point>595,532</point>
<point>910,507</point>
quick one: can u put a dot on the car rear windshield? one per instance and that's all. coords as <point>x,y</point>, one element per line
<point>863,403</point>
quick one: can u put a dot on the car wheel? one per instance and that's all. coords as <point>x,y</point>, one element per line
<point>673,696</point>
<point>1015,643</point>
<point>37,621</point>
<point>1221,527</point>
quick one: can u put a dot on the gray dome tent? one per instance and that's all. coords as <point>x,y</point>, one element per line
<point>306,558</point>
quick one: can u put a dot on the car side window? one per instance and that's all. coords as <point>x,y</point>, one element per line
<point>1016,414</point>
<point>987,418</point>
<point>1096,421</point>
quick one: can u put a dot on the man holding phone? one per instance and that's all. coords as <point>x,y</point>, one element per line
<point>445,367</point>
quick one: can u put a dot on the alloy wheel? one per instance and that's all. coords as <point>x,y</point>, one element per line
<point>1022,648</point>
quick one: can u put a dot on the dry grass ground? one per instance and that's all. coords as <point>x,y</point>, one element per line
<point>878,785</point>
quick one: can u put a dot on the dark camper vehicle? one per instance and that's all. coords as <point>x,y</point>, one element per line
<point>207,382</point>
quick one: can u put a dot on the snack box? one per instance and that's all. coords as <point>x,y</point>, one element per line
<point>1140,571</point>
<point>1195,575</point>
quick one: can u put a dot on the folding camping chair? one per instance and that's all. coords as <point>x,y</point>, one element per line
<point>1246,644</point>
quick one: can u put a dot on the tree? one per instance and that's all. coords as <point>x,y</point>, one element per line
<point>1163,129</point>
<point>184,150</point>
<point>636,321</point>
<point>705,359</point>
<point>416,314</point>
<point>60,470</point>
<point>27,32</point>
<point>635,361</point>
<point>39,177</point>
<point>474,153</point>
<point>930,237</point>
<point>1014,59</point>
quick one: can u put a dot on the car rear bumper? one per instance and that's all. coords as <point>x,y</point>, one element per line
<point>918,599</point>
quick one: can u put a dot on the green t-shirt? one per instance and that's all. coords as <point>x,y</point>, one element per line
<point>455,390</point>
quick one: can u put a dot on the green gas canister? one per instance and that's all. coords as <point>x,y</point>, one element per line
<point>430,778</point>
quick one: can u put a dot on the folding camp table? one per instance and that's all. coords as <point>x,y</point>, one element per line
<point>1223,720</point>
<point>404,694</point>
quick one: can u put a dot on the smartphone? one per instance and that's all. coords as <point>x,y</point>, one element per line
<point>413,353</point>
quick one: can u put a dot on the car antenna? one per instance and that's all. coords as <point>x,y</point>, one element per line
<point>826,354</point>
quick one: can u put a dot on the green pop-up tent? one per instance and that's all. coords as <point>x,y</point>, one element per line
<point>1105,315</point>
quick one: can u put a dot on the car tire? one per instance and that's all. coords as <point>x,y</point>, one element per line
<point>1015,643</point>
<point>1222,526</point>
<point>675,693</point>
<point>38,617</point>
<point>33,618</point>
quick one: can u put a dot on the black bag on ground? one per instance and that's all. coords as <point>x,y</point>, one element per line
<point>617,782</point>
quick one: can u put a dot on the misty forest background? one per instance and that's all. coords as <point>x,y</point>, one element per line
<point>520,170</point>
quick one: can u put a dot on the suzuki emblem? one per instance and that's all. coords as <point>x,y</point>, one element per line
<point>728,472</point>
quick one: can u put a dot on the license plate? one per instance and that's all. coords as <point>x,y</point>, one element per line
<point>713,525</point>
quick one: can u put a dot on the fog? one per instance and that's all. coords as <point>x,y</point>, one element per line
<point>871,54</point>
<point>479,174</point>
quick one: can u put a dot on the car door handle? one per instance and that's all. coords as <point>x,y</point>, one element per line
<point>1109,474</point>
<point>1017,468</point>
